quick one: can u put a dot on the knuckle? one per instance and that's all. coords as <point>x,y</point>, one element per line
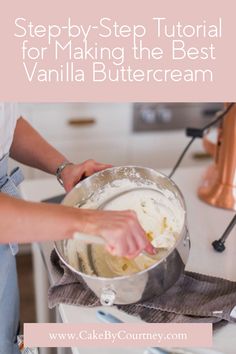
<point>130,217</point>
<point>132,213</point>
<point>132,223</point>
<point>121,232</point>
<point>129,214</point>
<point>86,162</point>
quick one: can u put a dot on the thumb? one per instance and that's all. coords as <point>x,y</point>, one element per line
<point>68,185</point>
<point>71,180</point>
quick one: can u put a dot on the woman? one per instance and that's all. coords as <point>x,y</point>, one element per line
<point>23,221</point>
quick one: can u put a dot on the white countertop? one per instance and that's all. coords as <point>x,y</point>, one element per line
<point>206,224</point>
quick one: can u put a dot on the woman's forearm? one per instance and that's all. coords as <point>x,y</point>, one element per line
<point>23,221</point>
<point>31,149</point>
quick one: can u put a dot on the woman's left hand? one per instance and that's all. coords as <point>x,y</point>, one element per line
<point>73,173</point>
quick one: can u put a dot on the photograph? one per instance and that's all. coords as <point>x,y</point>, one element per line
<point>116,213</point>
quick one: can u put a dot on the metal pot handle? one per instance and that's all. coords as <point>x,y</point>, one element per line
<point>107,297</point>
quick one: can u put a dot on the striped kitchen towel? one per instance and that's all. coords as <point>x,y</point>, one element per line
<point>193,298</point>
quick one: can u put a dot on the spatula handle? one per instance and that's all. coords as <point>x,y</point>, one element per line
<point>88,238</point>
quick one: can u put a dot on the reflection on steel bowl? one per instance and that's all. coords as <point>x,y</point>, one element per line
<point>117,280</point>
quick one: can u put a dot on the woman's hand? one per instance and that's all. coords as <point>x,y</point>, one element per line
<point>121,230</point>
<point>73,173</point>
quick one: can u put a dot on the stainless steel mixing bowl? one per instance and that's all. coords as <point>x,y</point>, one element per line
<point>144,284</point>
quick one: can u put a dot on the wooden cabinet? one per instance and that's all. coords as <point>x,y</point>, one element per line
<point>83,130</point>
<point>63,121</point>
<point>103,131</point>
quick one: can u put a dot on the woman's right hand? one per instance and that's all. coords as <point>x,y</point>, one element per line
<point>121,230</point>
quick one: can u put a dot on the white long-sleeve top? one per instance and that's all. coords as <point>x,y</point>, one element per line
<point>8,119</point>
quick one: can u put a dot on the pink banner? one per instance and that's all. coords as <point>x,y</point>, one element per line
<point>117,335</point>
<point>118,50</point>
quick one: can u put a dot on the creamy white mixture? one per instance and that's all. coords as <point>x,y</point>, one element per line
<point>159,212</point>
<point>158,216</point>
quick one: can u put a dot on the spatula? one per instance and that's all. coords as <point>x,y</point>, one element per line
<point>92,239</point>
